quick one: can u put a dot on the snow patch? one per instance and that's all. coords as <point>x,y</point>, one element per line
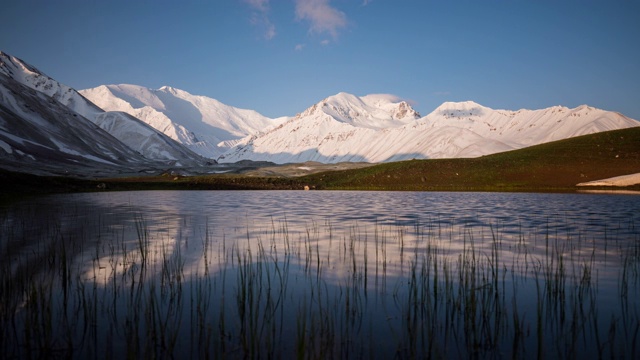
<point>6,147</point>
<point>624,180</point>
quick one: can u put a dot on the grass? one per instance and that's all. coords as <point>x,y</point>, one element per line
<point>425,290</point>
<point>558,165</point>
<point>555,166</point>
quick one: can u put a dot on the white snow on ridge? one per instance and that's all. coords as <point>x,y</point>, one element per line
<point>65,149</point>
<point>6,147</point>
<point>205,125</point>
<point>377,111</point>
<point>143,138</point>
<point>527,127</point>
<point>39,81</point>
<point>349,128</point>
<point>172,125</point>
<point>135,134</point>
<point>45,135</point>
<point>342,127</point>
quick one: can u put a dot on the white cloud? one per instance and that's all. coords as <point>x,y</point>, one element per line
<point>270,31</point>
<point>299,47</point>
<point>322,17</point>
<point>259,5</point>
<point>260,17</point>
<point>325,42</point>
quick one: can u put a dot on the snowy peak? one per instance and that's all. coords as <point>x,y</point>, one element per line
<point>174,91</point>
<point>13,67</point>
<point>138,136</point>
<point>525,127</point>
<point>405,110</point>
<point>31,77</point>
<point>396,107</point>
<point>342,127</point>
<point>470,109</point>
<point>41,135</point>
<point>124,95</point>
<point>460,109</point>
<point>345,127</point>
<point>203,124</point>
<point>376,111</point>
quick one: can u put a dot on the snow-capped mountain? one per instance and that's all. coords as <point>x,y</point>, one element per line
<point>379,111</point>
<point>171,125</point>
<point>41,135</point>
<point>137,135</point>
<point>146,140</point>
<point>203,124</point>
<point>29,76</point>
<point>350,128</point>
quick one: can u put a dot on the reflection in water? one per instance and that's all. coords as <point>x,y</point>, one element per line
<point>237,274</point>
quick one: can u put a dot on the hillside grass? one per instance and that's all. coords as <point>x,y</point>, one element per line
<point>554,166</point>
<point>558,165</point>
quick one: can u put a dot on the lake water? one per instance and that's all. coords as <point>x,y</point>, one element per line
<point>321,274</point>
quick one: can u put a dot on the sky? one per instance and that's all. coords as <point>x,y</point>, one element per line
<point>279,57</point>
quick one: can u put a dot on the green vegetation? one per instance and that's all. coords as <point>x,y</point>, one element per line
<point>552,166</point>
<point>555,166</point>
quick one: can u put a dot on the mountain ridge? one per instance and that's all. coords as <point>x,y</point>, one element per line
<point>340,128</point>
<point>383,128</point>
<point>156,146</point>
<point>203,124</point>
<point>42,136</point>
<point>454,129</point>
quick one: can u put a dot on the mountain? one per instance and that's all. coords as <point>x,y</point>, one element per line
<point>146,140</point>
<point>41,135</point>
<point>135,134</point>
<point>205,125</point>
<point>379,111</point>
<point>380,128</point>
<point>172,127</point>
<point>33,78</point>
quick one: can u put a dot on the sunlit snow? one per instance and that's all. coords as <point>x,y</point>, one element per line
<point>624,180</point>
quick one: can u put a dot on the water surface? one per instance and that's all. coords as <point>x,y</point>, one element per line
<point>340,274</point>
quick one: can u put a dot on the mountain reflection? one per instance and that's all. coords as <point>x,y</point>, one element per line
<point>150,258</point>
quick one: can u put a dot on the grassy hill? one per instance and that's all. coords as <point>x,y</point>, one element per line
<point>555,166</point>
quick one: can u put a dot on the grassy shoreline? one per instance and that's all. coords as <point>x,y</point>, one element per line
<point>552,167</point>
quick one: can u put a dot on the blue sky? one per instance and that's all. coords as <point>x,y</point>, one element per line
<point>279,57</point>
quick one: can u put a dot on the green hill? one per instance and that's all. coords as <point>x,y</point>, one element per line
<point>556,165</point>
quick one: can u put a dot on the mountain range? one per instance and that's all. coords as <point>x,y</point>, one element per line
<point>204,125</point>
<point>47,125</point>
<point>39,112</point>
<point>335,131</point>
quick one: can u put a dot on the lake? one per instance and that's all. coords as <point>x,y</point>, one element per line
<point>281,274</point>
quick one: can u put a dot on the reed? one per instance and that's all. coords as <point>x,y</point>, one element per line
<point>423,290</point>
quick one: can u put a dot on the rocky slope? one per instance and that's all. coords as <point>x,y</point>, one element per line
<point>155,146</point>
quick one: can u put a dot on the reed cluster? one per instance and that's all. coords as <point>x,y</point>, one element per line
<point>424,290</point>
